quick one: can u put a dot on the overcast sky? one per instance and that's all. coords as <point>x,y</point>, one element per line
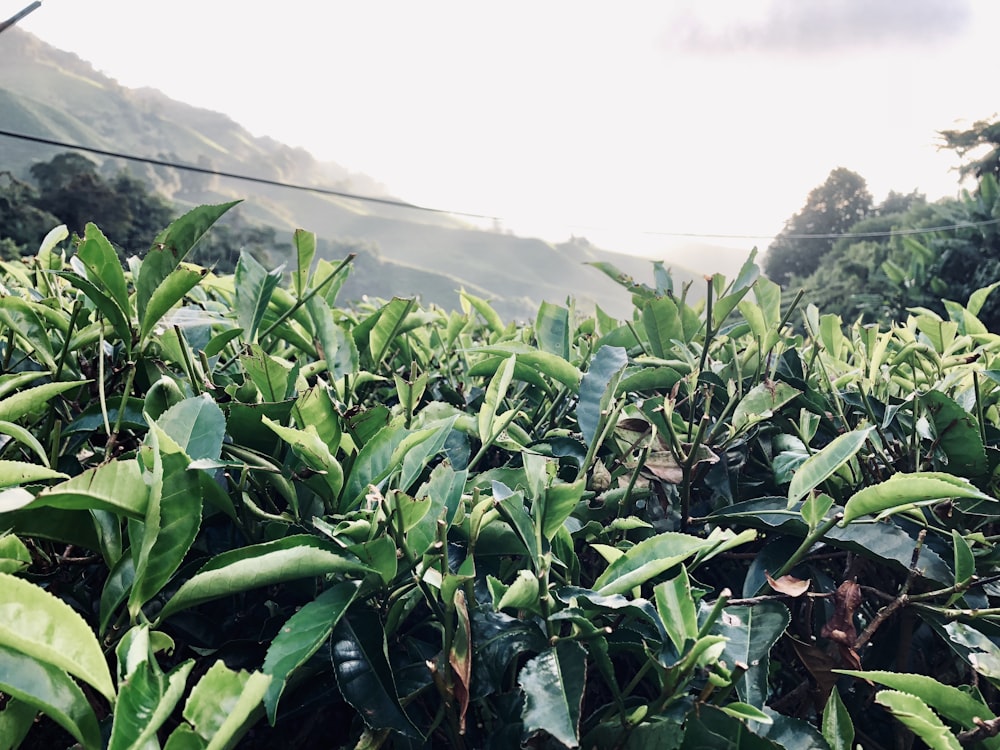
<point>611,120</point>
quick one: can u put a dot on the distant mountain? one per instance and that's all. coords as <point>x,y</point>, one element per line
<point>53,94</point>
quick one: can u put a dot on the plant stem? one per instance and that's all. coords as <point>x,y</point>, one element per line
<point>307,296</point>
<point>814,536</point>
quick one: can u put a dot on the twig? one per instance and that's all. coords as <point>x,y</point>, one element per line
<point>752,600</point>
<point>900,601</point>
<point>983,731</point>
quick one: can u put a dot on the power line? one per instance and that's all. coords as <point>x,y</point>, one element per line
<point>416,207</point>
<point>831,236</point>
<point>233,175</point>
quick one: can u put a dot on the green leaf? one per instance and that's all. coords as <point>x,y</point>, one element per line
<point>974,646</point>
<point>184,738</point>
<point>116,590</point>
<point>746,712</point>
<point>274,378</point>
<point>104,269</point>
<point>820,466</point>
<point>257,565</point>
<point>552,329</point>
<point>313,452</point>
<point>301,636</point>
<point>170,247</point>
<point>957,434</point>
<point>761,402</point>
<point>919,719</point>
<point>116,486</point>
<point>560,499</point>
<point>26,401</point>
<point>46,629</point>
<point>495,394</point>
<point>521,594</point>
<point>978,298</point>
<point>511,507</point>
<point>751,632</point>
<point>220,705</point>
<point>553,684</point>
<point>146,700</point>
<point>314,407</point>
<point>14,555</point>
<point>419,448</point>
<point>14,473</point>
<point>197,425</point>
<point>597,389</point>
<point>676,608</point>
<point>172,521</point>
<point>305,251</point>
<point>374,462</point>
<point>879,541</point>
<point>21,317</point>
<point>470,302</point>
<point>838,729</point>
<point>951,702</point>
<point>651,734</point>
<point>901,490</point>
<point>171,290</point>
<point>648,559</point>
<point>725,305</point>
<point>103,302</point>
<point>66,526</point>
<point>48,689</point>
<point>335,346</point>
<point>24,436</point>
<point>387,326</point>
<point>16,721</point>
<point>254,286</point>
<point>711,727</point>
<point>363,673</point>
<point>662,323</point>
<point>647,379</point>
<point>547,364</point>
<point>965,562</point>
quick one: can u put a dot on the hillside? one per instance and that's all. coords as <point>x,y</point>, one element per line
<point>53,94</point>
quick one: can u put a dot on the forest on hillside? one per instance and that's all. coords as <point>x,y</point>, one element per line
<point>860,259</point>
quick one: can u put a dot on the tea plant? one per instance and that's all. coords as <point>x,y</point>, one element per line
<point>234,511</point>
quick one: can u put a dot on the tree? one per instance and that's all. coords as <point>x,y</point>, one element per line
<point>70,187</point>
<point>22,223</point>
<point>830,210</point>
<point>148,213</point>
<point>982,134</point>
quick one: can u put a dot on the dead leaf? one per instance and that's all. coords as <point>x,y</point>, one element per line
<point>460,658</point>
<point>789,585</point>
<point>664,466</point>
<point>840,627</point>
<point>662,463</point>
<point>820,666</point>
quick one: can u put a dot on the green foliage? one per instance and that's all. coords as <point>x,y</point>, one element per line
<point>941,257</point>
<point>229,504</point>
<point>831,209</point>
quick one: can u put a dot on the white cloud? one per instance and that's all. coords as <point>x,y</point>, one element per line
<point>816,27</point>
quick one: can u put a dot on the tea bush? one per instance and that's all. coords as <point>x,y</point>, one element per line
<point>234,511</point>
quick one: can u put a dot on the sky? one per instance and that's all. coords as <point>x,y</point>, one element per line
<point>628,123</point>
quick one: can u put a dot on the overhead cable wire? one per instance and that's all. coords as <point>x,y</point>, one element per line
<point>417,207</point>
<point>235,176</point>
<point>832,236</point>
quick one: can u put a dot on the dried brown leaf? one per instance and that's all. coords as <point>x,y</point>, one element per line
<point>787,584</point>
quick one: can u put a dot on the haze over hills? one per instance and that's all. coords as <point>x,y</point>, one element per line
<point>49,93</point>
